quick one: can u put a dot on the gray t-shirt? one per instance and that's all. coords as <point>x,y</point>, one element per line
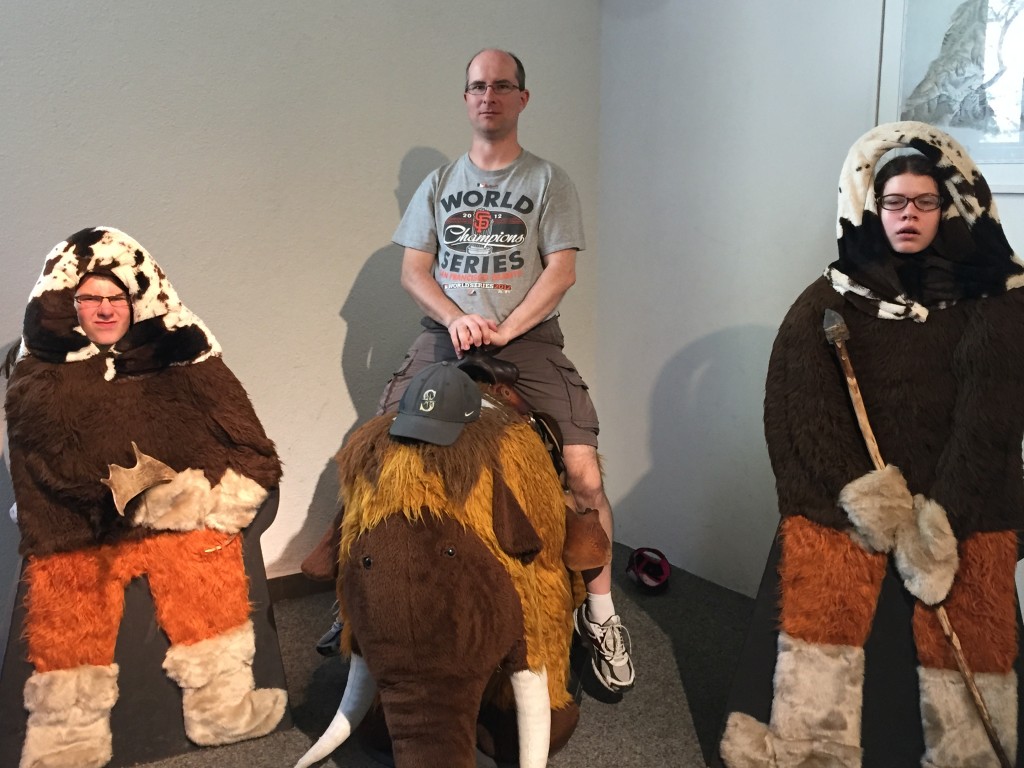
<point>494,228</point>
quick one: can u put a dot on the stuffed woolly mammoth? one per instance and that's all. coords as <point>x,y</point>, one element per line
<point>455,584</point>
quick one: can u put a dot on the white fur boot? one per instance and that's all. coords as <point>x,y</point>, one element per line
<point>219,700</point>
<point>954,736</point>
<point>816,712</point>
<point>69,717</point>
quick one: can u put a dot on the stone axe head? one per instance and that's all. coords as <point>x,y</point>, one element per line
<point>835,327</point>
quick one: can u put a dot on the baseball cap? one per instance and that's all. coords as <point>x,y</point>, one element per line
<point>438,403</point>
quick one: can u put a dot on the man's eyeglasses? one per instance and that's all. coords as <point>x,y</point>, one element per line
<point>118,300</point>
<point>502,88</point>
<point>899,202</point>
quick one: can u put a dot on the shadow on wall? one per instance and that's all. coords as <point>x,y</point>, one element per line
<point>381,321</point>
<point>709,497</point>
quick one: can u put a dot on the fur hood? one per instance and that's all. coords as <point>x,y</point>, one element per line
<point>970,257</point>
<point>163,332</point>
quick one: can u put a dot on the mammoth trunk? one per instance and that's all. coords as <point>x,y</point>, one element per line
<point>432,725</point>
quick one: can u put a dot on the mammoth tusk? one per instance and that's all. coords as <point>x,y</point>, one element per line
<point>533,716</point>
<point>359,692</point>
<point>126,483</point>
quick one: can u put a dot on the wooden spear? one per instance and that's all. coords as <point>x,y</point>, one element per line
<point>837,333</point>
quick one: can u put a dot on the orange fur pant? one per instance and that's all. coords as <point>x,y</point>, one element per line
<point>829,589</point>
<point>75,600</point>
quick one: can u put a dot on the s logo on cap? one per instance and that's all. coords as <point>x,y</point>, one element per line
<point>427,401</point>
<point>439,401</point>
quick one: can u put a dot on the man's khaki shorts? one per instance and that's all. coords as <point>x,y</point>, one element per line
<point>547,378</point>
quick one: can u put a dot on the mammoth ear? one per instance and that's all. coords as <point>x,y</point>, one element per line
<point>512,528</point>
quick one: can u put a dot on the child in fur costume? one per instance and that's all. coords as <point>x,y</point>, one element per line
<point>926,282</point>
<point>115,371</point>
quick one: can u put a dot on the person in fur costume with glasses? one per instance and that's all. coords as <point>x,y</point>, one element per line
<point>929,289</point>
<point>134,451</point>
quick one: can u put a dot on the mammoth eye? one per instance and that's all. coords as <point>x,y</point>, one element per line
<point>449,551</point>
<point>367,561</point>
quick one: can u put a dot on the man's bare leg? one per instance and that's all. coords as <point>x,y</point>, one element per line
<point>596,619</point>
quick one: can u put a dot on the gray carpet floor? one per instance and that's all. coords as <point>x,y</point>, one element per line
<point>686,641</point>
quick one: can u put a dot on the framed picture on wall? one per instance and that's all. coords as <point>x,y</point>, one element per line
<point>959,65</point>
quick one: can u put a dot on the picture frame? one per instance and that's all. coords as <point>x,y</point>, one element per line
<point>959,65</point>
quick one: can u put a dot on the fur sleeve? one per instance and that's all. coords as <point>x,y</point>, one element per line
<point>978,477</point>
<point>55,469</point>
<point>813,439</point>
<point>249,451</point>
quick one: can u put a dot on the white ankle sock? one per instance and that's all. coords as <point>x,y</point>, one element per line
<point>600,608</point>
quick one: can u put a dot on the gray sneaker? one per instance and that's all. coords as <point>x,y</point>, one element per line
<point>330,643</point>
<point>610,647</point>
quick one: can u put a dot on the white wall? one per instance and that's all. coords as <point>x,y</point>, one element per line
<point>262,152</point>
<point>723,129</point>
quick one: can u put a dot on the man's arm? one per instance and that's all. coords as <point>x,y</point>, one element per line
<point>466,330</point>
<point>472,330</point>
<point>558,276</point>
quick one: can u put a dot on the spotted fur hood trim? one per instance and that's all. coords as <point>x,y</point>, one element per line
<point>970,257</point>
<point>163,332</point>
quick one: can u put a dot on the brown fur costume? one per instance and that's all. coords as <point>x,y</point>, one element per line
<point>940,360</point>
<point>74,409</point>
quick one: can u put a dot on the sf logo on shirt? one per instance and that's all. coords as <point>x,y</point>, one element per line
<point>481,220</point>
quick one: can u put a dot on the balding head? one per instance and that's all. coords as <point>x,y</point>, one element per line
<point>520,70</point>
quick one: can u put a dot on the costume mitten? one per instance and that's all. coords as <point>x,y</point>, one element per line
<point>816,711</point>
<point>220,703</point>
<point>188,503</point>
<point>954,735</point>
<point>69,717</point>
<point>926,555</point>
<point>878,504</point>
<point>236,500</point>
<point>180,504</point>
